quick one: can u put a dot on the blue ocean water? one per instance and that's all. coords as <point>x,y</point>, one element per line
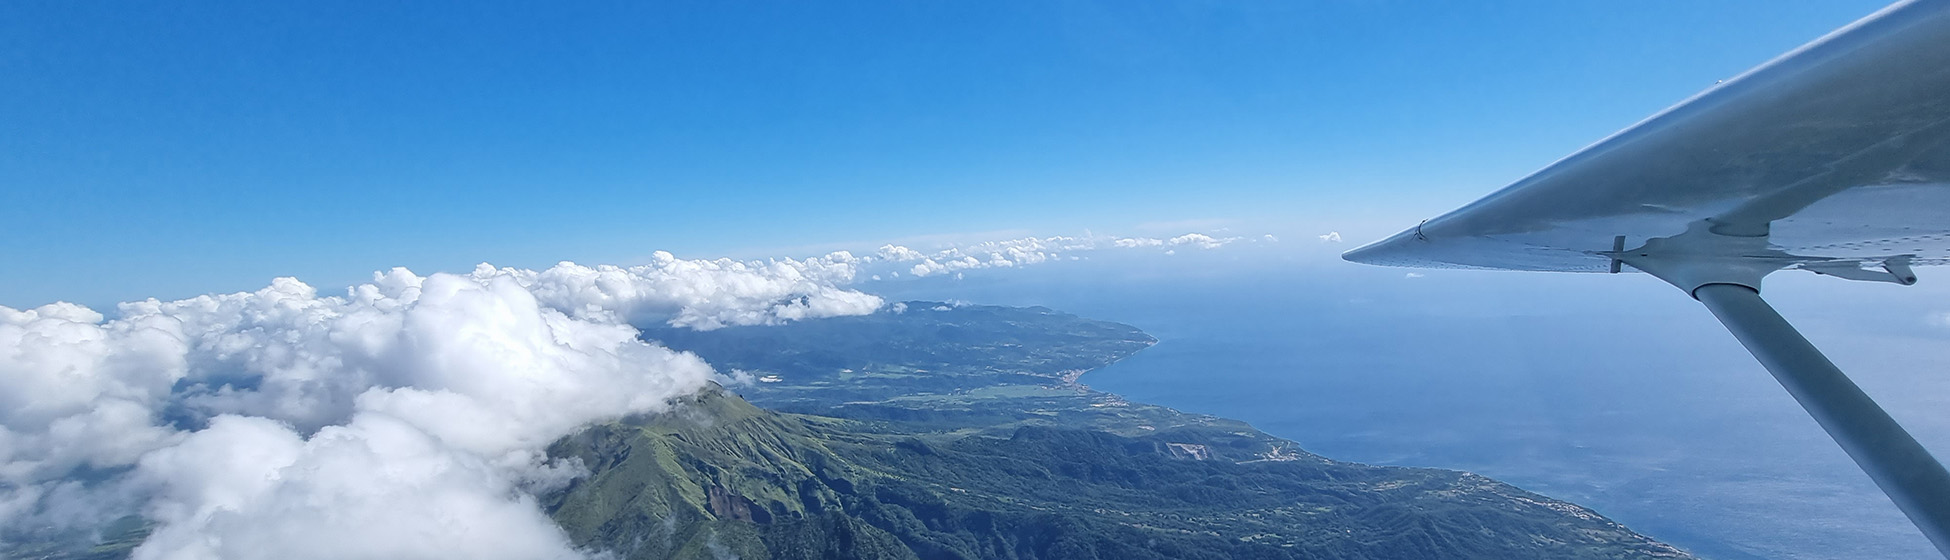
<point>1614,392</point>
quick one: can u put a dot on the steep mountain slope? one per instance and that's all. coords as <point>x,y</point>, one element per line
<point>720,478</point>
<point>957,432</point>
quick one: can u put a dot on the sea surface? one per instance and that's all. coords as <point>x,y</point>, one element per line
<point>1612,391</point>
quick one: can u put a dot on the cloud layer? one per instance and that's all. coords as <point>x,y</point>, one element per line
<point>703,294</point>
<point>404,419</point>
<point>1029,251</point>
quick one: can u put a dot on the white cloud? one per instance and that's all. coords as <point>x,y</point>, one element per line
<point>378,487</point>
<point>1412,275</point>
<point>899,253</point>
<point>703,294</point>
<point>405,419</point>
<point>1029,251</point>
<point>75,392</point>
<point>1200,240</point>
<point>1331,237</point>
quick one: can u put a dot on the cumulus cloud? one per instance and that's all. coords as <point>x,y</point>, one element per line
<point>1030,251</point>
<point>1331,237</point>
<point>404,419</point>
<point>704,294</point>
<point>377,487</point>
<point>1200,240</point>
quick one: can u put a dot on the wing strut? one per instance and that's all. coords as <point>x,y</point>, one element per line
<point>1906,472</point>
<point>1833,158</point>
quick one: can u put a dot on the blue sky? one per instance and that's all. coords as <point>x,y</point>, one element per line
<point>171,149</point>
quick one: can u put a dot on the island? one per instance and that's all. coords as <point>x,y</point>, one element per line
<point>933,430</point>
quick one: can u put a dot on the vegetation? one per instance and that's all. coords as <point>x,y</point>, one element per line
<point>969,438</point>
<point>961,432</point>
<point>721,478</point>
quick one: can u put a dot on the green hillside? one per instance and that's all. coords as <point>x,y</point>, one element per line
<point>935,431</point>
<point>720,478</point>
<point>941,431</point>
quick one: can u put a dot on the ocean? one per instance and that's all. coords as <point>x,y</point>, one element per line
<point>1615,392</point>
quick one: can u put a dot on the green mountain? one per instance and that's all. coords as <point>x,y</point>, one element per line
<point>720,478</point>
<point>937,431</point>
<point>946,432</point>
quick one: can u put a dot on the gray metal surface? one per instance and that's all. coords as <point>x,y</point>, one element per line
<point>1833,158</point>
<point>1836,153</point>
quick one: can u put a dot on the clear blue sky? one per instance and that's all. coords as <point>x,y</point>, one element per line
<point>176,148</point>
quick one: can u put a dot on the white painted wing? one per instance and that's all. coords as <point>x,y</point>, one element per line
<point>1834,153</point>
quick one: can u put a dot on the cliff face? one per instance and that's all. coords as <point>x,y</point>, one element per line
<point>719,478</point>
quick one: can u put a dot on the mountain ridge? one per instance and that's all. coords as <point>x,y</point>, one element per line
<point>945,431</point>
<point>950,432</point>
<point>690,484</point>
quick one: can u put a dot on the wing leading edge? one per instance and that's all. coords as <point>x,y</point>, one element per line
<point>1836,154</point>
<point>1833,158</point>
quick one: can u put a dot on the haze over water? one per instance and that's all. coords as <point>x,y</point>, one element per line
<point>1614,392</point>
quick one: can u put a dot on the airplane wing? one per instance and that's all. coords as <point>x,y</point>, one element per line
<point>1833,158</point>
<point>1836,152</point>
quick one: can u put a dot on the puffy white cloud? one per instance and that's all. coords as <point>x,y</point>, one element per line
<point>1028,251</point>
<point>703,294</point>
<point>405,419</point>
<point>1200,240</point>
<point>899,253</point>
<point>1331,237</point>
<point>75,392</point>
<point>377,487</point>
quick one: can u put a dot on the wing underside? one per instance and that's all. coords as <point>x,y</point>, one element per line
<point>1836,154</point>
<point>1833,158</point>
